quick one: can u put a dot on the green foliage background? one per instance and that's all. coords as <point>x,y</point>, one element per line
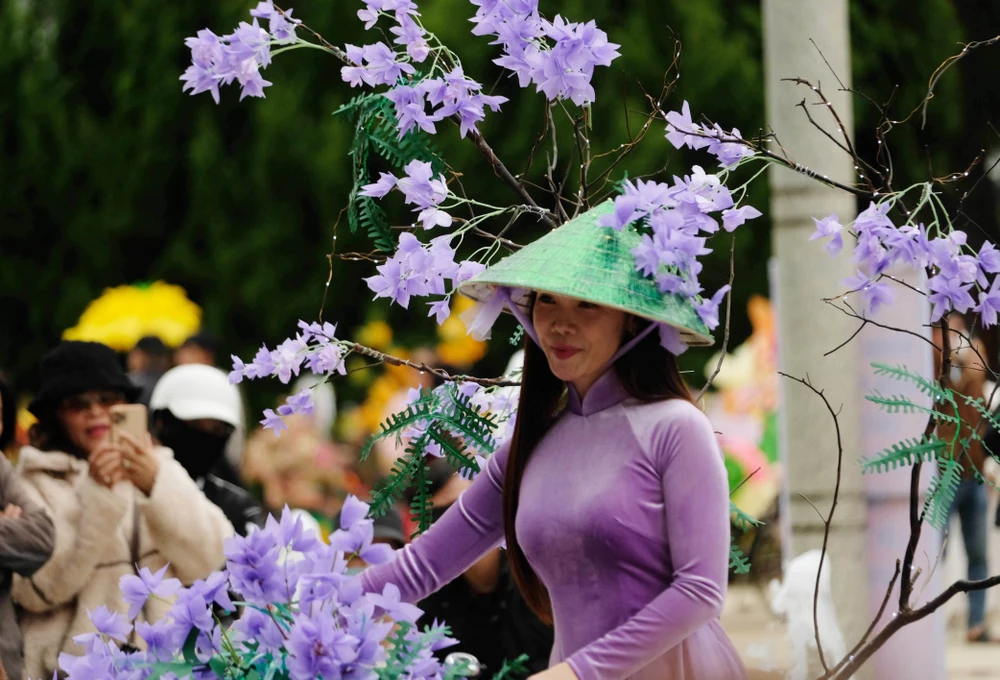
<point>111,175</point>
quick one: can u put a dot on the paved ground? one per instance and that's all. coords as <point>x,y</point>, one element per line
<point>760,638</point>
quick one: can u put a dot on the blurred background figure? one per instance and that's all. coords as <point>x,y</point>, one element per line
<point>201,348</point>
<point>968,378</point>
<point>195,412</point>
<point>117,506</point>
<point>483,607</point>
<point>26,541</point>
<point>146,362</point>
<point>304,467</point>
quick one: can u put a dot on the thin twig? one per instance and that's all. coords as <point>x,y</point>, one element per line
<point>441,373</point>
<point>833,505</point>
<point>729,308</point>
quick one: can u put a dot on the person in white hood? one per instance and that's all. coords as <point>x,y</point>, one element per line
<point>195,412</point>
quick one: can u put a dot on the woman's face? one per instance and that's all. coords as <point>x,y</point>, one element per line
<point>86,418</point>
<point>578,337</point>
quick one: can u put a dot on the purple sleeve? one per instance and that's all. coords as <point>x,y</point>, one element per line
<point>468,529</point>
<point>685,451</point>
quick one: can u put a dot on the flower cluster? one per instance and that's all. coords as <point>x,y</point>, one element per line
<point>241,55</point>
<point>561,69</point>
<point>447,95</point>
<point>674,220</point>
<point>416,269</point>
<point>420,189</point>
<point>316,347</point>
<point>881,244</point>
<point>303,615</point>
<point>727,147</point>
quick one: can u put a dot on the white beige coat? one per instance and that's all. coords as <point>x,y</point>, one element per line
<point>94,543</point>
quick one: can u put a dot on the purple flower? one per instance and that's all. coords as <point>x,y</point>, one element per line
<point>728,147</point>
<point>948,294</point>
<point>735,217</point>
<point>236,375</point>
<point>682,131</point>
<point>108,623</point>
<point>386,181</point>
<point>411,110</point>
<point>300,403</point>
<point>708,310</point>
<point>353,511</point>
<point>260,627</point>
<point>874,219</point>
<point>215,589</point>
<point>409,33</point>
<point>161,638</point>
<point>272,421</point>
<point>262,365</point>
<point>626,211</point>
<point>317,648</point>
<point>440,310</point>
<point>468,269</point>
<point>420,187</point>
<point>287,358</point>
<point>670,339</point>
<point>192,611</point>
<point>330,359</point>
<point>829,227</point>
<point>137,589</point>
<point>322,333</point>
<point>989,258</point>
<point>291,532</point>
<point>252,563</point>
<point>989,304</point>
<point>874,294</point>
<point>390,602</point>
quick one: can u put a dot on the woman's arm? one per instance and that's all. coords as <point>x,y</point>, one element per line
<point>26,542</point>
<point>695,492</point>
<point>80,546</point>
<point>186,528</point>
<point>469,528</point>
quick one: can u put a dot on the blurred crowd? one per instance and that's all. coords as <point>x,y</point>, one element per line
<point>85,501</point>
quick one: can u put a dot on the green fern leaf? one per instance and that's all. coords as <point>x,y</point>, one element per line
<point>414,414</point>
<point>405,469</point>
<point>421,506</point>
<point>980,405</point>
<point>941,493</point>
<point>898,403</point>
<point>454,450</point>
<point>738,562</point>
<point>743,520</point>
<point>906,452</point>
<point>512,668</point>
<point>929,387</point>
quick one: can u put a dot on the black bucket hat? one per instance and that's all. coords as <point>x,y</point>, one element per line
<point>74,367</point>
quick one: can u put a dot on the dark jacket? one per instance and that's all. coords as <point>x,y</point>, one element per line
<point>26,544</point>
<point>240,508</point>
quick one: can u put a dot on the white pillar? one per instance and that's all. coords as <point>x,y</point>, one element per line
<point>805,274</point>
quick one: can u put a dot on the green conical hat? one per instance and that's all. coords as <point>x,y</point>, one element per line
<point>592,263</point>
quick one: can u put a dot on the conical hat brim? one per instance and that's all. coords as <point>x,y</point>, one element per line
<point>587,262</point>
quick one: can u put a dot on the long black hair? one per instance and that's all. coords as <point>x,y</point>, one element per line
<point>648,372</point>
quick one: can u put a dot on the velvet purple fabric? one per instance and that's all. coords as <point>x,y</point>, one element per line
<point>624,516</point>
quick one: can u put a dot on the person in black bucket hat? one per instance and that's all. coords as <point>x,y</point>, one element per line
<point>118,505</point>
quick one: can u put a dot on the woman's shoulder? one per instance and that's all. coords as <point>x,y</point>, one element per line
<point>660,426</point>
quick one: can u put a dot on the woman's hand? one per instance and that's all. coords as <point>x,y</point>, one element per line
<point>105,465</point>
<point>11,512</point>
<point>561,671</point>
<point>139,464</point>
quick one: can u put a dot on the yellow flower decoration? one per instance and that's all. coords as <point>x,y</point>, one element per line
<point>123,315</point>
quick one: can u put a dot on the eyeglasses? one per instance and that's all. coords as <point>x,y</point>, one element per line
<point>86,400</point>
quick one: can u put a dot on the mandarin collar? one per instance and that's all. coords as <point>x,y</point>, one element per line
<point>608,391</point>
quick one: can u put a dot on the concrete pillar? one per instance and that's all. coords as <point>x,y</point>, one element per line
<point>805,274</point>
